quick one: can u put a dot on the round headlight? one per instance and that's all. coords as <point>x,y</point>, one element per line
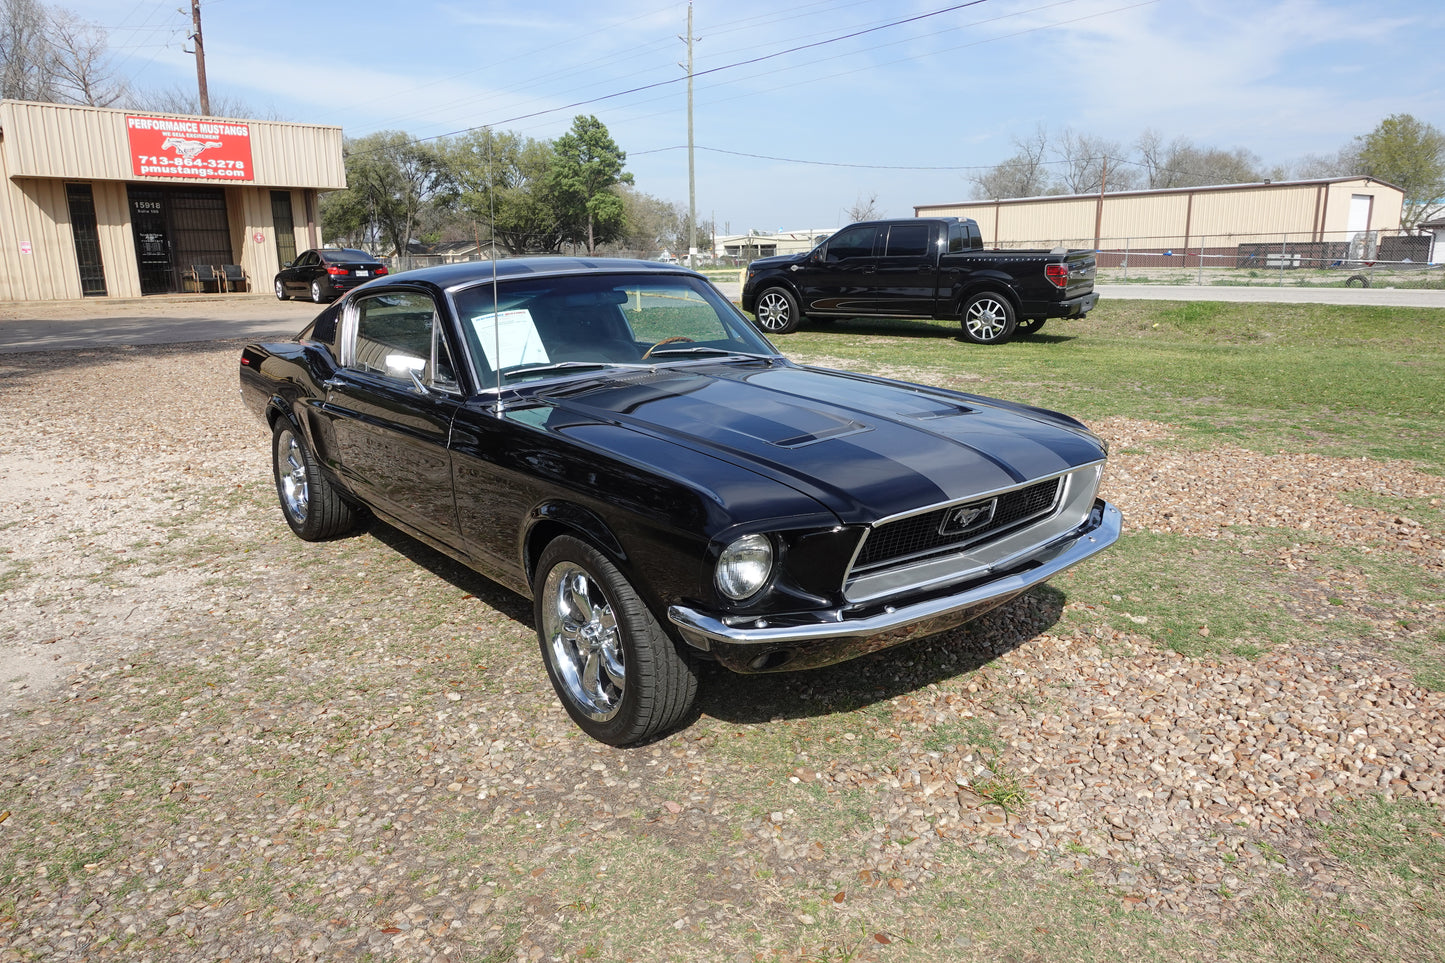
<point>744,566</point>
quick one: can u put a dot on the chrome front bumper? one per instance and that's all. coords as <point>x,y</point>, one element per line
<point>818,639</point>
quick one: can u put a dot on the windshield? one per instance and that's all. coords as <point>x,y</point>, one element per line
<point>538,328</point>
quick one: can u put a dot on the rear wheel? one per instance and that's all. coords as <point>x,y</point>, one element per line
<point>312,506</point>
<point>777,311</point>
<point>317,294</point>
<point>1030,325</point>
<point>988,318</point>
<point>281,294</point>
<point>619,675</point>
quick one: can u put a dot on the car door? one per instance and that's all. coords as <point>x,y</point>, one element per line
<point>391,406</point>
<point>297,277</point>
<point>838,279</point>
<point>907,274</point>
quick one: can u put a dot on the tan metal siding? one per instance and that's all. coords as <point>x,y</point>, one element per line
<point>117,243</point>
<point>89,143</point>
<point>1166,219</point>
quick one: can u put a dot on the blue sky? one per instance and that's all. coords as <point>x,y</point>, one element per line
<point>910,106</point>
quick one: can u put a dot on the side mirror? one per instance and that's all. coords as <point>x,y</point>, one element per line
<point>288,264</point>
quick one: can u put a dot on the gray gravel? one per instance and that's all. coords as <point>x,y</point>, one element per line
<point>202,757</point>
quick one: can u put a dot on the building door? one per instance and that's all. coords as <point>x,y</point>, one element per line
<point>283,225</point>
<point>175,230</point>
<point>152,241</point>
<point>1360,205</point>
<point>198,224</point>
<point>87,239</point>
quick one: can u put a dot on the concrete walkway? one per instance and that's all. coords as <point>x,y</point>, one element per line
<point>176,319</point>
<point>1262,294</point>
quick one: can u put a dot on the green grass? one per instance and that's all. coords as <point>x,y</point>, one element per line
<point>327,673</point>
<point>1333,379</point>
<point>1393,855</point>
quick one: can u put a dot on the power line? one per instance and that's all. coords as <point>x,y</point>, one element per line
<point>702,73</point>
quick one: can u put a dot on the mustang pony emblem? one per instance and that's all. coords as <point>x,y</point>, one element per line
<point>967,517</point>
<point>189,149</point>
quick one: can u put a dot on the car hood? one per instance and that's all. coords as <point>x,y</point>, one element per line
<point>866,448</point>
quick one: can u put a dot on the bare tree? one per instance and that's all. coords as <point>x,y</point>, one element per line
<point>864,208</point>
<point>27,60</point>
<point>83,73</point>
<point>1342,163</point>
<point>181,99</point>
<point>1182,164</point>
<point>1022,175</point>
<point>1090,164</point>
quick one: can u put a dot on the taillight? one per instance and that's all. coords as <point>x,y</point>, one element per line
<point>333,271</point>
<point>379,271</point>
<point>1058,275</point>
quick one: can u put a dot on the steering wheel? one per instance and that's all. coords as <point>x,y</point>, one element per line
<point>672,340</point>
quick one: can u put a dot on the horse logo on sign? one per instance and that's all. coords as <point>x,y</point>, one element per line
<point>188,149</point>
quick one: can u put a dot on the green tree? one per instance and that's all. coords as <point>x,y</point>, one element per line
<point>585,176</point>
<point>389,179</point>
<point>1411,155</point>
<point>502,180</point>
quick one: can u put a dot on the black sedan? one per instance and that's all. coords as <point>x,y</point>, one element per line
<point>615,441</point>
<point>326,273</point>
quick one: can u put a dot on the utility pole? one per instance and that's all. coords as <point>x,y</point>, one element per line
<point>200,52</point>
<point>692,182</point>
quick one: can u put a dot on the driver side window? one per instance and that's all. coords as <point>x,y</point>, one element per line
<point>857,242</point>
<point>397,335</point>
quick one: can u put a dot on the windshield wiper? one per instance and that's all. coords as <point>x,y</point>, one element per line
<point>570,366</point>
<point>704,349</point>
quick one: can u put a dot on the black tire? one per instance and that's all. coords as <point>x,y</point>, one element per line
<point>317,294</point>
<point>311,504</point>
<point>1029,325</point>
<point>777,311</point>
<point>1357,281</point>
<point>281,294</point>
<point>617,673</point>
<point>987,318</point>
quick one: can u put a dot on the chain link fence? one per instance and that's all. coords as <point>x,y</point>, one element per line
<point>1356,259</point>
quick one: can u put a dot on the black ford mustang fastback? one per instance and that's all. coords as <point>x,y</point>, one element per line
<point>614,440</point>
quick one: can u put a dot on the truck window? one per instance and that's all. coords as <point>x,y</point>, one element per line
<point>964,236</point>
<point>909,240</point>
<point>853,242</point>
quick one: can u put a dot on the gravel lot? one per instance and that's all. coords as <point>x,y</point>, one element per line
<point>219,743</point>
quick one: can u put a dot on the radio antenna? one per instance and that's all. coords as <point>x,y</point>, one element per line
<point>496,317</point>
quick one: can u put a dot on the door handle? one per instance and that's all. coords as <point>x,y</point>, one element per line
<point>870,269</point>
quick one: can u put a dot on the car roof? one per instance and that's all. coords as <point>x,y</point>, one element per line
<point>471,272</point>
<point>346,252</point>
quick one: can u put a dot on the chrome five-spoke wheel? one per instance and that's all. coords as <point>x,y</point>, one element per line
<point>291,482</point>
<point>312,506</point>
<point>584,643</point>
<point>618,674</point>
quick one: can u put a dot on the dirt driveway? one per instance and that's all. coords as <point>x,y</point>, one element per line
<point>219,742</point>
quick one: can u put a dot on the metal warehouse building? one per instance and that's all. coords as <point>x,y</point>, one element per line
<point>114,203</point>
<point>1309,220</point>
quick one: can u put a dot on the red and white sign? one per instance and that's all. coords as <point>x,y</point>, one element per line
<point>194,147</point>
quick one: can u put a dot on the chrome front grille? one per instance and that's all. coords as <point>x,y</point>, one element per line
<point>918,536</point>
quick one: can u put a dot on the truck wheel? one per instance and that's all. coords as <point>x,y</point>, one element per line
<point>1030,325</point>
<point>619,675</point>
<point>777,311</point>
<point>988,318</point>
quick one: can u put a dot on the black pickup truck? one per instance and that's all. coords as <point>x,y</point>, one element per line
<point>921,267</point>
